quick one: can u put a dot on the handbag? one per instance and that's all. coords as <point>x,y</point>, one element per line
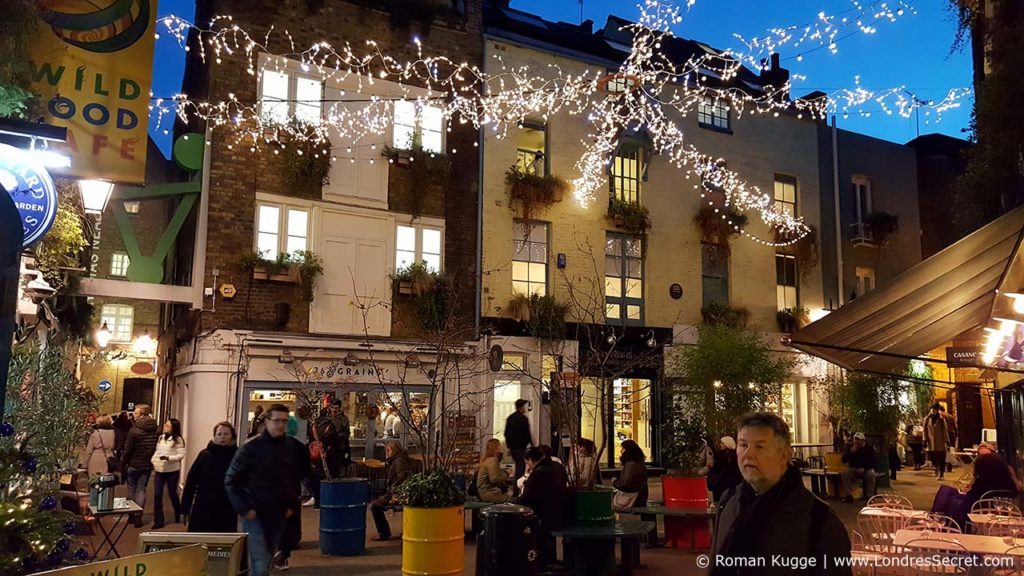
<point>113,463</point>
<point>623,501</point>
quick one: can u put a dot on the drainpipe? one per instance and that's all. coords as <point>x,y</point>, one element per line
<point>839,222</point>
<point>478,279</point>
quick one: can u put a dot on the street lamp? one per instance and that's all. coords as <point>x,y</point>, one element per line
<point>103,335</point>
<point>95,194</point>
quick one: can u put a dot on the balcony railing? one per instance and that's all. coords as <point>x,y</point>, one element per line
<point>861,234</point>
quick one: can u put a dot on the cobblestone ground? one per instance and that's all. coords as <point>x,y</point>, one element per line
<point>386,558</point>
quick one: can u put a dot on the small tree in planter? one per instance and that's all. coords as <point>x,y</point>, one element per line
<point>433,523</point>
<point>684,456</point>
<point>792,319</point>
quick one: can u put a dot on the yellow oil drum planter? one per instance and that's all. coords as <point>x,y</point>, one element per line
<point>433,525</point>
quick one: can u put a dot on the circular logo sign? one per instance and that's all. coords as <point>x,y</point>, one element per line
<point>97,25</point>
<point>104,385</point>
<point>31,189</point>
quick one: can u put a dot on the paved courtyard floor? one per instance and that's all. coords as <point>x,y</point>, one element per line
<point>386,557</point>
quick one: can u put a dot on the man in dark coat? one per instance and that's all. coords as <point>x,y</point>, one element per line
<point>263,488</point>
<point>292,536</point>
<point>205,501</point>
<point>860,465</point>
<point>546,492</point>
<point>518,437</point>
<point>333,454</point>
<point>771,525</point>
<point>139,447</point>
<point>398,470</point>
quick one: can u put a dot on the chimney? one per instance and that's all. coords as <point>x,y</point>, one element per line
<point>777,76</point>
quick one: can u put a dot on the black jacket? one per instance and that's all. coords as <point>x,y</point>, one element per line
<point>205,500</point>
<point>140,444</point>
<point>546,492</point>
<point>633,479</point>
<point>787,521</point>
<point>863,458</point>
<point>263,477</point>
<point>517,431</point>
<point>335,449</point>
<point>725,474</point>
<point>399,468</point>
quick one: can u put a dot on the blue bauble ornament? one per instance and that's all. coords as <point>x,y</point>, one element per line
<point>70,527</point>
<point>64,544</point>
<point>6,429</point>
<point>29,464</point>
<point>81,554</point>
<point>48,503</point>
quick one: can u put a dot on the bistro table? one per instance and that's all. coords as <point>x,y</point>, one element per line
<point>809,445</point>
<point>874,511</point>
<point>974,543</point>
<point>122,509</point>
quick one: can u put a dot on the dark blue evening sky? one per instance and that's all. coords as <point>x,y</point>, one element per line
<point>913,52</point>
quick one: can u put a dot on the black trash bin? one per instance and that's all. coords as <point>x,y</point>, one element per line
<point>506,546</point>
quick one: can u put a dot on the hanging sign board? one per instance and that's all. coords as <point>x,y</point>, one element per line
<point>187,561</point>
<point>93,66</point>
<point>30,186</point>
<point>963,356</point>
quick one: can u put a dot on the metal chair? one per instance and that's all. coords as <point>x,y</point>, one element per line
<point>866,561</point>
<point>891,501</point>
<point>1011,562</point>
<point>935,522</point>
<point>879,530</point>
<point>937,556</point>
<point>996,507</point>
<point>1002,494</point>
<point>1005,526</point>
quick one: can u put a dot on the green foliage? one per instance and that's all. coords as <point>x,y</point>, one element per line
<point>431,489</point>
<point>418,276</point>
<point>519,307</point>
<point>432,306</point>
<point>791,319</point>
<point>45,401</point>
<point>630,216</point>
<point>534,191</point>
<point>32,531</point>
<point>62,246</point>
<point>251,260</point>
<point>749,375</point>
<point>17,29</point>
<point>682,437</point>
<point>716,314</point>
<point>867,403</point>
<point>882,225</point>
<point>547,317</point>
<point>307,161</point>
<point>416,173</point>
<point>14,101</point>
<point>311,267</point>
<point>716,230</point>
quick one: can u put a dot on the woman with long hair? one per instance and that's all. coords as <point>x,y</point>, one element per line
<point>634,477</point>
<point>100,448</point>
<point>205,501</point>
<point>170,451</point>
<point>491,481</point>
<point>583,465</point>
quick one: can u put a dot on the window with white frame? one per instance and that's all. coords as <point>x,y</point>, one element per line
<point>281,229</point>
<point>785,281</point>
<point>785,194</point>
<point>417,244</point>
<point>623,280</point>
<point>531,147</point>
<point>119,262</point>
<point>861,198</point>
<point>530,258</point>
<point>865,279</point>
<point>286,94</point>
<point>713,113</point>
<point>418,122</point>
<point>627,172</point>
<point>119,319</point>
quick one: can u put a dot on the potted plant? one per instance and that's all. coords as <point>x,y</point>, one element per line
<point>279,269</point>
<point>311,267</point>
<point>546,319</point>
<point>519,307</point>
<point>415,279</point>
<point>417,178</point>
<point>629,216</point>
<point>534,191</point>
<point>684,455</point>
<point>792,319</point>
<point>882,225</point>
<point>716,314</point>
<point>715,227</point>
<point>433,525</point>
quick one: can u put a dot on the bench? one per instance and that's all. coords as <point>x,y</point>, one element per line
<point>586,549</point>
<point>654,509</point>
<point>820,479</point>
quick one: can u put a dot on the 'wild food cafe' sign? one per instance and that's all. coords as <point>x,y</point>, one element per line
<point>93,62</point>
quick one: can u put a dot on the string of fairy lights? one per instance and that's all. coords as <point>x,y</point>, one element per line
<point>649,92</point>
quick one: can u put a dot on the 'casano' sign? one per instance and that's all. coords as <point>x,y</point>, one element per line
<point>963,356</point>
<point>93,62</point>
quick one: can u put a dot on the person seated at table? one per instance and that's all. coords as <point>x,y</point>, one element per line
<point>725,473</point>
<point>986,448</point>
<point>990,473</point>
<point>399,468</point>
<point>546,492</point>
<point>633,479</point>
<point>583,467</point>
<point>860,460</point>
<point>491,481</point>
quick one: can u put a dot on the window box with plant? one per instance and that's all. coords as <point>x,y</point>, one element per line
<point>279,269</point>
<point>534,192</point>
<point>629,216</point>
<point>432,521</point>
<point>805,249</point>
<point>715,314</point>
<point>792,319</point>
<point>427,290</point>
<point>543,315</point>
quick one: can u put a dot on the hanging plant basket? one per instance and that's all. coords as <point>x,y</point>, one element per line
<point>533,192</point>
<point>792,319</point>
<point>805,250</point>
<point>715,229</point>
<point>629,216</point>
<point>882,225</point>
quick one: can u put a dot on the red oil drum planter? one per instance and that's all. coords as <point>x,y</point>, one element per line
<point>686,493</point>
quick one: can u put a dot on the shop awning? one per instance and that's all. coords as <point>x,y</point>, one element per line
<point>930,304</point>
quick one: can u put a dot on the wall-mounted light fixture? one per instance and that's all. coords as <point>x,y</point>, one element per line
<point>103,336</point>
<point>351,359</point>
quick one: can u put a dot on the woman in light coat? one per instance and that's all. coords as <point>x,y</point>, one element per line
<point>101,445</point>
<point>936,434</point>
<point>491,481</point>
<point>170,451</point>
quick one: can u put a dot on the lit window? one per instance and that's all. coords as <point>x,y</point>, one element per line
<point>865,279</point>
<point>118,318</point>
<point>281,229</point>
<point>623,279</point>
<point>131,206</point>
<point>713,113</point>
<point>785,281</point>
<point>530,258</point>
<point>531,145</point>
<point>418,122</point>
<point>714,270</point>
<point>785,194</point>
<point>627,166</point>
<point>286,94</point>
<point>418,244</point>
<point>119,264</point>
<point>513,363</point>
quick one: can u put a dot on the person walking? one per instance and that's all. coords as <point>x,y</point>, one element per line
<point>936,436</point>
<point>99,450</point>
<point>914,436</point>
<point>205,500</point>
<point>771,514</point>
<point>518,437</point>
<point>292,536</point>
<point>399,467</point>
<point>166,459</point>
<point>257,418</point>
<point>263,489</point>
<point>860,463</point>
<point>341,424</point>
<point>136,461</point>
<point>491,481</point>
<point>952,434</point>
